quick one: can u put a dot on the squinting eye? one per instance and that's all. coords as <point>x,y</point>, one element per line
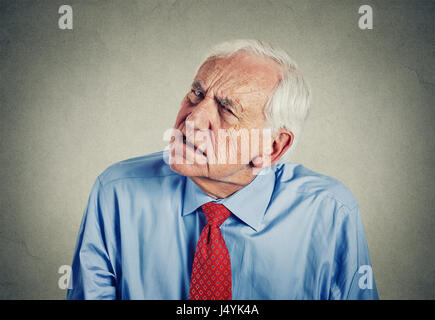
<point>227,110</point>
<point>198,93</point>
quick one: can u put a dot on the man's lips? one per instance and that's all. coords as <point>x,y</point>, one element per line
<point>191,145</point>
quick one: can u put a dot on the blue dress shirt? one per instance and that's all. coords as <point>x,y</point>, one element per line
<point>293,234</point>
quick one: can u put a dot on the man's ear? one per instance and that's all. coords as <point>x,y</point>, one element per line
<point>281,143</point>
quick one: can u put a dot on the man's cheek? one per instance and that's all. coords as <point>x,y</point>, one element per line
<point>181,117</point>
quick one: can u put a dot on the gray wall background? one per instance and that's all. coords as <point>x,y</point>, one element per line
<point>74,102</point>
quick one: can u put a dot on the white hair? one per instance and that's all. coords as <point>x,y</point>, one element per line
<point>289,104</point>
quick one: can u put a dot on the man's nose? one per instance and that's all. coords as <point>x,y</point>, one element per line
<point>203,114</point>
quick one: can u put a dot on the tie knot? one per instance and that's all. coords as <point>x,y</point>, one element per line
<point>215,213</point>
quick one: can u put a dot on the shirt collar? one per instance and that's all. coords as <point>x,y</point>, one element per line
<point>248,204</point>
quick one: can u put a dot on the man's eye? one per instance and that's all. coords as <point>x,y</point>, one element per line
<point>198,93</point>
<point>227,109</point>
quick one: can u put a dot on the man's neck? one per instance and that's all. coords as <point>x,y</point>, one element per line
<point>222,188</point>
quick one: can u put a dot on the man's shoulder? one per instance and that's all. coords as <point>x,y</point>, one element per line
<point>144,167</point>
<point>295,177</point>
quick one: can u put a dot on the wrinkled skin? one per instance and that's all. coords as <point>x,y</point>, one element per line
<point>227,94</point>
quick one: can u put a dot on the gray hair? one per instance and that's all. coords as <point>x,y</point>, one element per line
<point>289,104</point>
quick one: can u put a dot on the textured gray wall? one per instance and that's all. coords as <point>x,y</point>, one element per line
<point>74,102</point>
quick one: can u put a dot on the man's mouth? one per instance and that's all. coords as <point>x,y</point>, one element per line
<point>191,145</point>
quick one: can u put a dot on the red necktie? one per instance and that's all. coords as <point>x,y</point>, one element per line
<point>211,270</point>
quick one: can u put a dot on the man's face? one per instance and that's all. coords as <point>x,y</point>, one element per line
<point>220,123</point>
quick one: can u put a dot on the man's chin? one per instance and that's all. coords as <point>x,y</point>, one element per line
<point>189,170</point>
<point>213,172</point>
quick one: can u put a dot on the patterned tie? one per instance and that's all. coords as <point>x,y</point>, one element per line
<point>211,270</point>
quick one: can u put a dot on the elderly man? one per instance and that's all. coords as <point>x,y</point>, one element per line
<point>216,216</point>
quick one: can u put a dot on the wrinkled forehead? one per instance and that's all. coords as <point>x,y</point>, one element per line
<point>243,75</point>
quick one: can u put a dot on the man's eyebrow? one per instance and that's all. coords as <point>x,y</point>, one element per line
<point>197,85</point>
<point>228,102</point>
